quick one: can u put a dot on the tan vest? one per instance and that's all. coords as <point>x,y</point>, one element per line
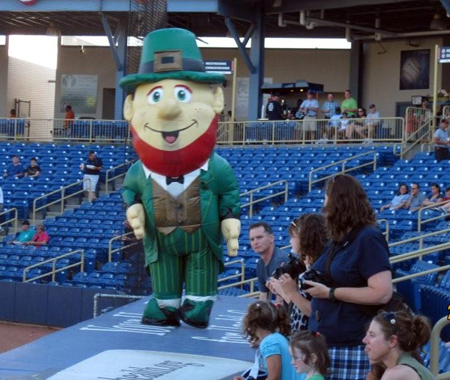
<point>183,212</point>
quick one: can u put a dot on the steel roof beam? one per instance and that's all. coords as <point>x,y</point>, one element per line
<point>446,5</point>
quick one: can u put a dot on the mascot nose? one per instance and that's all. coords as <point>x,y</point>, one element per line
<point>169,110</point>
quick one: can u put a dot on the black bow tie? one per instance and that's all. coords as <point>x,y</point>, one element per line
<point>179,179</point>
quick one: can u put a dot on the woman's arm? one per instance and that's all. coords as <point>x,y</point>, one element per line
<point>273,367</point>
<point>377,292</point>
<point>401,372</point>
<point>399,206</point>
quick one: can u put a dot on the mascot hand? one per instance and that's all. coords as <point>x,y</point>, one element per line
<point>231,228</point>
<point>136,219</point>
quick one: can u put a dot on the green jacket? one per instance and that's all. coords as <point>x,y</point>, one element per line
<point>219,199</point>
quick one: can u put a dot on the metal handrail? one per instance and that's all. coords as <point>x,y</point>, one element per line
<point>62,199</point>
<point>420,238</point>
<point>108,180</point>
<point>420,274</point>
<point>344,170</point>
<point>434,351</point>
<point>241,275</point>
<point>120,237</point>
<point>253,201</point>
<point>385,233</point>
<point>419,253</point>
<point>419,217</point>
<point>250,281</point>
<point>54,270</point>
<point>15,219</point>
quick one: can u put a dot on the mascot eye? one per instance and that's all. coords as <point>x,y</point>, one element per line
<point>155,96</point>
<point>182,94</point>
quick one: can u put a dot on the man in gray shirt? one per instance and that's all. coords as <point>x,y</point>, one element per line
<point>441,142</point>
<point>262,241</point>
<point>416,199</point>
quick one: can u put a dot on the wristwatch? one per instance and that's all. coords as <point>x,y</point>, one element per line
<point>331,296</point>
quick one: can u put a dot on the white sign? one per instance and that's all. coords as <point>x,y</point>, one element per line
<point>148,365</point>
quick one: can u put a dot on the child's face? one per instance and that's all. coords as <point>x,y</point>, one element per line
<point>295,243</point>
<point>447,194</point>
<point>298,360</point>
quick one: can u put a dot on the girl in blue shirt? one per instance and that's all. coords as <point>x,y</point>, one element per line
<point>268,325</point>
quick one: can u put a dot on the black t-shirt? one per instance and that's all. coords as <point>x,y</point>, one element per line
<point>95,162</point>
<point>32,170</point>
<point>274,111</point>
<point>343,323</point>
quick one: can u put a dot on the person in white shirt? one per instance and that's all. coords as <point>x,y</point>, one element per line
<point>310,107</point>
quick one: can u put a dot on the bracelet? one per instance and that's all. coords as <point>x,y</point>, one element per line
<point>331,296</point>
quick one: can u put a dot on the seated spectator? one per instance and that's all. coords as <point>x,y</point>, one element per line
<point>441,142</point>
<point>394,339</point>
<point>25,235</point>
<point>446,207</point>
<point>400,199</point>
<point>374,121</point>
<point>308,242</point>
<point>358,125</point>
<point>15,169</point>
<point>342,132</point>
<point>40,237</point>
<point>416,198</point>
<point>435,196</point>
<point>334,124</point>
<point>33,170</point>
<point>12,114</point>
<point>262,241</point>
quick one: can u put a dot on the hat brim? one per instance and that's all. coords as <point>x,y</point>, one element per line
<point>130,82</point>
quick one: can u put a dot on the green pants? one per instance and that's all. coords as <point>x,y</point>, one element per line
<point>184,258</point>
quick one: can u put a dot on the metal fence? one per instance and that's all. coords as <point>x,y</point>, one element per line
<point>311,131</point>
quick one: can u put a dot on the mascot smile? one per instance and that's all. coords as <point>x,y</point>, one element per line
<point>182,198</point>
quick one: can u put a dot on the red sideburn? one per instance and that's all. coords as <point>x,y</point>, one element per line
<point>178,162</point>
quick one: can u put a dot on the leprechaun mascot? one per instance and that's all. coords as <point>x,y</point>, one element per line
<point>182,197</point>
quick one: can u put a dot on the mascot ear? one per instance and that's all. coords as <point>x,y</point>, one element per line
<point>219,101</point>
<point>128,111</point>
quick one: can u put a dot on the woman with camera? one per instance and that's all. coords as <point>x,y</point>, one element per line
<point>308,242</point>
<point>357,264</point>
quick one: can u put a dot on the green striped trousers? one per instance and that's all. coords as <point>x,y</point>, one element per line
<point>184,258</point>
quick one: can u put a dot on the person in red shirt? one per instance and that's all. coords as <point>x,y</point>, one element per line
<point>68,120</point>
<point>40,237</point>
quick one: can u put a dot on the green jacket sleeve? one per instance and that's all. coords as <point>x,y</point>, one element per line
<point>131,193</point>
<point>229,194</point>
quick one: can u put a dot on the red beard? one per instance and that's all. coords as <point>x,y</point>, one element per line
<point>181,161</point>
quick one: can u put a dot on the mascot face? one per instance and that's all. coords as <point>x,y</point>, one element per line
<point>174,124</point>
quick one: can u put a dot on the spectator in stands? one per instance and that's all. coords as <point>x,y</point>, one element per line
<point>349,104</point>
<point>373,121</point>
<point>262,241</point>
<point>308,242</point>
<point>15,169</point>
<point>33,170</point>
<point>400,199</point>
<point>357,263</point>
<point>394,339</point>
<point>329,107</point>
<point>40,237</point>
<point>68,120</point>
<point>274,110</point>
<point>435,196</point>
<point>310,107</point>
<point>91,168</point>
<point>358,125</point>
<point>416,198</point>
<point>12,114</point>
<point>446,207</point>
<point>310,354</point>
<point>268,325</point>
<point>25,235</point>
<point>441,142</point>
<point>334,124</point>
<point>342,132</point>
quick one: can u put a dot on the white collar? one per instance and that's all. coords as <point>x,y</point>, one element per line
<point>148,172</point>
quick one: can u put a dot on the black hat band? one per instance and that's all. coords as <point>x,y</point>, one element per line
<point>168,63</point>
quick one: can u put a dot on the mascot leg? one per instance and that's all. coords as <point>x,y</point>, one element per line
<point>167,281</point>
<point>202,269</point>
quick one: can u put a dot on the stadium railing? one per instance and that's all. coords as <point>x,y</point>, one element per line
<point>61,200</point>
<point>55,270</point>
<point>240,274</point>
<point>420,218</point>
<point>112,251</point>
<point>14,219</point>
<point>435,345</point>
<point>420,238</point>
<point>112,171</point>
<point>344,170</point>
<point>385,129</point>
<point>419,129</point>
<point>254,201</point>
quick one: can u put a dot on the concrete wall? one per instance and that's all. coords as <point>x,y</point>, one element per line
<point>4,108</point>
<point>381,75</point>
<point>94,61</point>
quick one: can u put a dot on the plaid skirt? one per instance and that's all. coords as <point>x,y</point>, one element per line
<point>348,363</point>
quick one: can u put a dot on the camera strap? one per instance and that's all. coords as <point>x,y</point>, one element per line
<point>336,247</point>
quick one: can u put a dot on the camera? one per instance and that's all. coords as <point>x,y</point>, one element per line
<point>294,267</point>
<point>316,276</point>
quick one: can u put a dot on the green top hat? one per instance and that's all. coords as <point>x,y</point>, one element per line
<point>170,54</point>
